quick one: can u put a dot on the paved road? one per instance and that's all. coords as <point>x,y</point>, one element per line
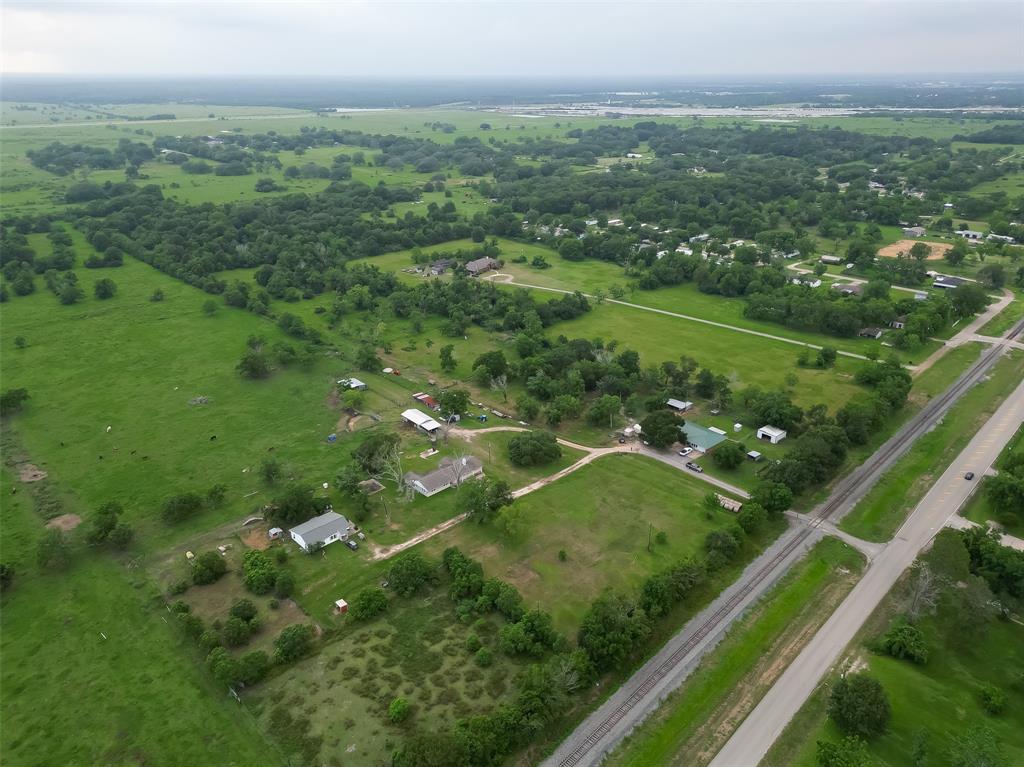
<point>614,719</point>
<point>751,741</point>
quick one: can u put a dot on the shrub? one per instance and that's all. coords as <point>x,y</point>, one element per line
<point>368,603</point>
<point>208,567</point>
<point>483,657</point>
<point>260,574</point>
<point>410,573</point>
<point>993,700</point>
<point>284,585</point>
<point>473,643</point>
<point>244,609</point>
<point>236,632</point>
<point>533,448</point>
<point>859,706</point>
<point>906,642</point>
<point>398,711</point>
<point>294,642</point>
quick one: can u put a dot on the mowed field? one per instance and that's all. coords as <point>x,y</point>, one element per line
<point>602,516</point>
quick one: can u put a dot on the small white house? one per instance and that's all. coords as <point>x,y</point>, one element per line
<point>321,531</point>
<point>771,434</point>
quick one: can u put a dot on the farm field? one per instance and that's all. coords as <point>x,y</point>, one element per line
<point>696,718</point>
<point>881,512</point>
<point>139,693</point>
<point>940,698</point>
<point>602,517</point>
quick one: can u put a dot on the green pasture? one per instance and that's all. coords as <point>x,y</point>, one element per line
<point>601,515</point>
<point>94,673</point>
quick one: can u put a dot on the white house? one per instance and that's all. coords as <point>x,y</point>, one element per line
<point>421,421</point>
<point>321,531</point>
<point>969,234</point>
<point>448,473</point>
<point>771,434</point>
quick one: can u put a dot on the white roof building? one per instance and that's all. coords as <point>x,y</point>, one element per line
<point>321,531</point>
<point>771,434</point>
<point>678,404</point>
<point>421,420</point>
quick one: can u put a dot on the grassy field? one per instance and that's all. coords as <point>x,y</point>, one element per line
<point>939,698</point>
<point>698,717</point>
<point>1005,319</point>
<point>71,696</point>
<point>881,512</point>
<point>601,516</point>
<point>978,508</point>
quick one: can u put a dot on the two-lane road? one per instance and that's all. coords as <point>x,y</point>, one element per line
<point>751,741</point>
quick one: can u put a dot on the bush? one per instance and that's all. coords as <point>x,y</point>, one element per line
<point>104,288</point>
<point>208,567</point>
<point>906,642</point>
<point>473,643</point>
<point>729,455</point>
<point>368,603</point>
<point>260,574</point>
<point>180,507</point>
<point>293,643</point>
<point>410,573</point>
<point>859,706</point>
<point>244,609</point>
<point>484,657</point>
<point>254,666</point>
<point>533,448</point>
<point>398,711</point>
<point>284,585</point>
<point>993,700</point>
<point>236,632</point>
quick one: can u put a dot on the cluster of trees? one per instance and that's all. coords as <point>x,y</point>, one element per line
<point>533,448</point>
<point>106,529</point>
<point>261,576</point>
<point>63,159</point>
<point>1005,491</point>
<point>184,506</point>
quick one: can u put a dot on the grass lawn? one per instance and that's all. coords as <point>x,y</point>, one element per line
<point>745,359</point>
<point>1005,319</point>
<point>979,509</point>
<point>698,717</point>
<point>940,697</point>
<point>70,696</point>
<point>600,516</point>
<point>881,512</point>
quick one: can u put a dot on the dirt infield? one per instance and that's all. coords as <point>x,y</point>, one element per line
<point>903,246</point>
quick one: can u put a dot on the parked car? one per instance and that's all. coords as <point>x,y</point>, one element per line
<point>694,467</point>
<point>969,475</point>
<point>685,451</point>
<point>352,545</point>
<point>622,440</point>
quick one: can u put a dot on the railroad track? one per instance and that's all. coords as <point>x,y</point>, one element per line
<point>860,479</point>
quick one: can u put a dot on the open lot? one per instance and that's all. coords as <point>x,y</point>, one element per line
<point>903,247</point>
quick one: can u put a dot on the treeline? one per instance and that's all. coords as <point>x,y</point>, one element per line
<point>63,159</point>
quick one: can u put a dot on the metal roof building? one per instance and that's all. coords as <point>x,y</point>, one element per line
<point>701,438</point>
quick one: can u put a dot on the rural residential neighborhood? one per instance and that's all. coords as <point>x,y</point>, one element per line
<point>509,384</point>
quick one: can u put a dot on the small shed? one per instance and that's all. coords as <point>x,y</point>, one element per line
<point>352,383</point>
<point>737,427</point>
<point>771,434</point>
<point>274,533</point>
<point>340,607</point>
<point>754,456</point>
<point>680,406</point>
<point>873,333</point>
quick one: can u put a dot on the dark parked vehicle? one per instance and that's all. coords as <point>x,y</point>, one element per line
<point>969,475</point>
<point>694,467</point>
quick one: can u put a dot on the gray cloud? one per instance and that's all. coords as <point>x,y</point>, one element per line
<point>512,38</point>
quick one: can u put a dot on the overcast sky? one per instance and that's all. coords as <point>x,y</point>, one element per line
<point>486,37</point>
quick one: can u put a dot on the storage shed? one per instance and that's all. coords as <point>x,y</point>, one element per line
<point>771,434</point>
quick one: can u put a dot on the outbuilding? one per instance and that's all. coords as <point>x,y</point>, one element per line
<point>421,421</point>
<point>322,531</point>
<point>771,434</point>
<point>969,234</point>
<point>831,259</point>
<point>680,406</point>
<point>274,533</point>
<point>352,383</point>
<point>913,231</point>
<point>947,282</point>
<point>754,456</point>
<point>701,438</point>
<point>340,607</point>
<point>874,333</point>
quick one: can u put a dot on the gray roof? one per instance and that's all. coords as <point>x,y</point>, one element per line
<point>319,529</point>
<point>443,475</point>
<point>481,265</point>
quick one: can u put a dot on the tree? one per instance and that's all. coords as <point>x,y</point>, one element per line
<point>849,752</point>
<point>859,706</point>
<point>293,642</point>
<point>751,517</point>
<point>611,629</point>
<point>258,571</point>
<point>483,498</point>
<point>604,410</point>
<point>773,497</point>
<point>253,666</point>
<point>967,299</point>
<point>254,364</point>
<point>209,307</point>
<point>493,362</point>
<point>398,710</point>
<point>104,288</point>
<point>366,358</point>
<point>729,455</point>
<point>533,448</point>
<point>527,407</point>
<point>224,667</point>
<point>12,400</point>
<point>243,609</point>
<point>920,251</point>
<point>977,747</point>
<point>368,603</point>
<point>70,293</point>
<point>661,428</point>
<point>284,585</point>
<point>453,402</point>
<point>448,362</point>
<point>236,632</point>
<point>106,529</point>
<point>208,567</point>
<point>54,551</point>
<point>410,573</point>
<point>372,454</point>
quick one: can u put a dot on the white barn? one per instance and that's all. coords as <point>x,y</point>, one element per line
<point>771,434</point>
